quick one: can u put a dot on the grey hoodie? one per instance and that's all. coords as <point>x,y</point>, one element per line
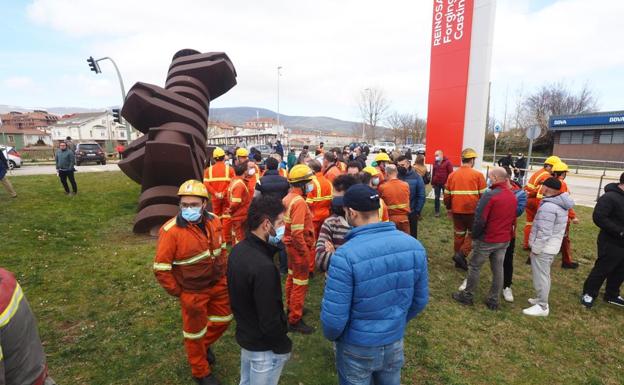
<point>550,223</point>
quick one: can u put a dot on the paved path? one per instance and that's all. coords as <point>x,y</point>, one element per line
<point>50,169</point>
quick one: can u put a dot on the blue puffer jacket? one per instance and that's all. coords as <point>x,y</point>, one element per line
<point>417,190</point>
<point>377,281</point>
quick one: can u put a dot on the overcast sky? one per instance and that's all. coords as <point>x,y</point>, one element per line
<point>329,50</point>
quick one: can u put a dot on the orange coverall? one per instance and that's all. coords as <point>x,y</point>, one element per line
<point>566,245</point>
<point>463,190</point>
<point>333,171</point>
<point>532,189</point>
<point>383,211</point>
<point>190,264</point>
<point>235,216</point>
<point>216,179</point>
<point>319,200</point>
<point>299,241</point>
<point>252,180</point>
<point>396,194</point>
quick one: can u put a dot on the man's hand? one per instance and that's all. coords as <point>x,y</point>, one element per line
<point>329,247</point>
<point>576,221</point>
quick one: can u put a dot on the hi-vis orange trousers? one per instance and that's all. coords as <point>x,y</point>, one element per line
<point>233,229</point>
<point>296,283</point>
<point>462,227</point>
<point>531,210</point>
<point>205,317</point>
<point>401,222</point>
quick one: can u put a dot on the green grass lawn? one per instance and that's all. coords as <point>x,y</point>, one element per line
<point>104,319</point>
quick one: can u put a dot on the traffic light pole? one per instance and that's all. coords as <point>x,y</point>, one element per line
<point>123,92</point>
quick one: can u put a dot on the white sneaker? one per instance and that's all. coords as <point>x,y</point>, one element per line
<point>462,287</point>
<point>508,294</point>
<point>536,311</point>
<point>532,301</point>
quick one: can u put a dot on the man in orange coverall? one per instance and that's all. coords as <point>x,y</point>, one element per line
<point>216,179</point>
<point>239,198</point>
<point>463,190</point>
<point>560,170</point>
<point>299,241</point>
<point>319,199</point>
<point>190,264</point>
<point>396,194</point>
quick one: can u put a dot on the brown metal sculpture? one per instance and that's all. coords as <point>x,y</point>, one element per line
<point>174,120</point>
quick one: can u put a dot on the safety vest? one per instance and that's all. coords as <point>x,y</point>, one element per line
<point>217,178</point>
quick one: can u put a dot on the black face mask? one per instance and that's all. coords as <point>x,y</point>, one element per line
<point>402,170</point>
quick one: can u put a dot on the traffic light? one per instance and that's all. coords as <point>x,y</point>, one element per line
<point>95,67</point>
<point>116,116</point>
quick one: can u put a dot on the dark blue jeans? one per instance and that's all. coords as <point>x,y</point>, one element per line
<point>437,190</point>
<point>362,365</point>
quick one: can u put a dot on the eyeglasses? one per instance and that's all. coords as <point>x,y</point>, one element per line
<point>190,205</point>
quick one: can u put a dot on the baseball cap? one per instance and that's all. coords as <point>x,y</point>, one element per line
<point>361,197</point>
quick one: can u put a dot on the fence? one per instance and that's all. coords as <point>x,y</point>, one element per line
<point>575,165</point>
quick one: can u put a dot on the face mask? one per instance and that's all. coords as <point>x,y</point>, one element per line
<point>402,170</point>
<point>438,158</point>
<point>251,171</point>
<point>375,181</point>
<point>309,188</point>
<point>191,214</point>
<point>279,234</point>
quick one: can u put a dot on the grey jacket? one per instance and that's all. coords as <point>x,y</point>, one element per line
<point>550,223</point>
<point>65,160</point>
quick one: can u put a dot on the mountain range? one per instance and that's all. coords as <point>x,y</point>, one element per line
<point>233,115</point>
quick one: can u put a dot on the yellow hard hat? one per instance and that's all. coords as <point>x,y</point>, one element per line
<point>560,167</point>
<point>242,152</point>
<point>218,152</point>
<point>194,188</point>
<point>371,170</point>
<point>469,153</point>
<point>552,160</point>
<point>300,173</point>
<point>382,157</point>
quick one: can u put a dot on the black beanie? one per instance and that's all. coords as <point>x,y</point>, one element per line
<point>553,183</point>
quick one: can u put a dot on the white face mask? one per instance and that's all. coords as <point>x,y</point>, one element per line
<point>438,158</point>
<point>251,171</point>
<point>375,181</point>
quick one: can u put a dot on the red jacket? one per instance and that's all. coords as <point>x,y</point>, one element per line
<point>495,218</point>
<point>441,171</point>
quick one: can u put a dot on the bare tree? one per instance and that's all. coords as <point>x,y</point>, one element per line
<point>373,106</point>
<point>553,99</point>
<point>396,124</point>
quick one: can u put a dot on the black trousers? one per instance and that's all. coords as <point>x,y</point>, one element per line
<point>609,266</point>
<point>508,263</point>
<point>413,221</point>
<point>64,175</point>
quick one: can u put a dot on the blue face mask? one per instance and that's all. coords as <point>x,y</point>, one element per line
<point>191,214</point>
<point>279,234</point>
<point>309,188</point>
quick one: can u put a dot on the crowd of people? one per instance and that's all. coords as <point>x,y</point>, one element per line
<point>332,213</point>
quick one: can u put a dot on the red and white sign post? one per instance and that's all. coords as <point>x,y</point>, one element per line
<point>461,53</point>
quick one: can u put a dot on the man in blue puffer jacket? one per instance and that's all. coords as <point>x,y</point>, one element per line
<point>377,282</point>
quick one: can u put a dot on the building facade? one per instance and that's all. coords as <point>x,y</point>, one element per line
<point>592,136</point>
<point>25,129</point>
<point>97,127</point>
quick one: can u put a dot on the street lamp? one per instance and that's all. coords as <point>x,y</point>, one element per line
<point>278,96</point>
<point>95,67</point>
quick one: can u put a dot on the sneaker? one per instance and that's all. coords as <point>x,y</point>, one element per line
<point>437,215</point>
<point>211,357</point>
<point>462,287</point>
<point>463,298</point>
<point>587,301</point>
<point>536,311</point>
<point>533,301</point>
<point>208,380</point>
<point>571,265</point>
<point>491,304</point>
<point>617,301</point>
<point>300,327</point>
<point>460,261</point>
<point>508,294</point>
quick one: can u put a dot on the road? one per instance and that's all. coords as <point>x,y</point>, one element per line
<point>584,186</point>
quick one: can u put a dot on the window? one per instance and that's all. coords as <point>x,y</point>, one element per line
<point>577,137</point>
<point>605,137</point>
<point>11,139</point>
<point>588,137</point>
<point>564,137</point>
<point>122,133</point>
<point>618,137</point>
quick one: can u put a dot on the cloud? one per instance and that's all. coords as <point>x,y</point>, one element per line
<point>330,50</point>
<point>19,82</point>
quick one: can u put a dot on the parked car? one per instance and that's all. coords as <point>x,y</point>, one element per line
<point>386,146</point>
<point>89,152</point>
<point>14,158</point>
<point>353,145</point>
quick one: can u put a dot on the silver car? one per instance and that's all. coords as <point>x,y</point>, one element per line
<point>14,158</point>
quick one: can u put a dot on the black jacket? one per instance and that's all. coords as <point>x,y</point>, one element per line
<point>609,216</point>
<point>273,183</point>
<point>521,163</point>
<point>255,292</point>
